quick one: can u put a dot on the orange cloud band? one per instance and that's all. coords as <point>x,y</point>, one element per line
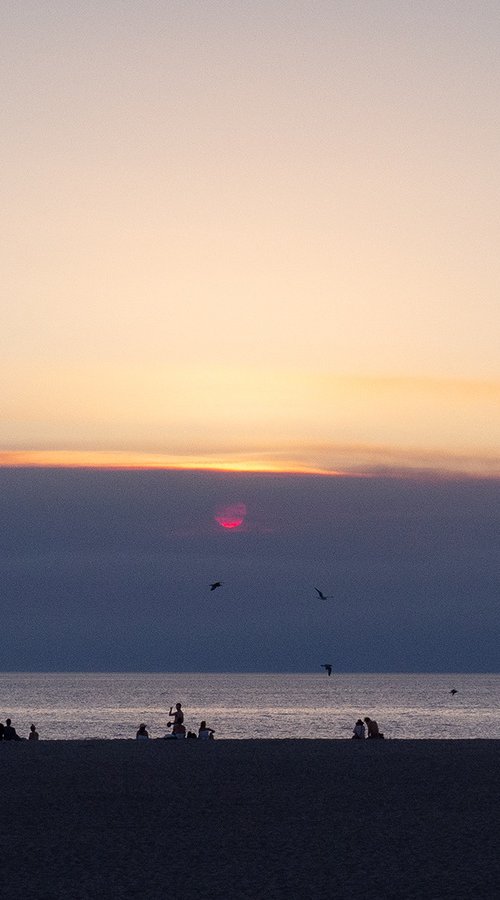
<point>324,459</point>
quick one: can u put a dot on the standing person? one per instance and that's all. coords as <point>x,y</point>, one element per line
<point>2,729</point>
<point>178,715</point>
<point>178,729</point>
<point>9,732</point>
<point>33,735</point>
<point>358,732</point>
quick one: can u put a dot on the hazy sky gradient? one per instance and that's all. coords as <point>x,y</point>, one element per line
<point>111,570</point>
<point>263,229</point>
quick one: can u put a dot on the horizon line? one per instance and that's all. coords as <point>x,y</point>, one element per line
<point>235,672</point>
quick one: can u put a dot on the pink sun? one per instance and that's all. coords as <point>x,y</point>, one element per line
<point>231,516</point>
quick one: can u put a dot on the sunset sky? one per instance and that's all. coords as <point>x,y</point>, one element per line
<point>253,234</point>
<point>251,272</point>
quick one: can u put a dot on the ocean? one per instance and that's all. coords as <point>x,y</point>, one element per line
<point>73,706</point>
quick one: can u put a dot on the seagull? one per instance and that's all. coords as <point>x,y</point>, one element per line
<point>328,667</point>
<point>215,584</point>
<point>453,691</point>
<point>321,595</point>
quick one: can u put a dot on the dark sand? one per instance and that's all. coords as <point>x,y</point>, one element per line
<point>254,819</point>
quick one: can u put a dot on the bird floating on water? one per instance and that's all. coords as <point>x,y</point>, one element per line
<point>328,667</point>
<point>453,691</point>
<point>321,595</point>
<point>215,584</point>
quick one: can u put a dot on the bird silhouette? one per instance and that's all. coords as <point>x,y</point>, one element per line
<point>328,667</point>
<point>321,595</point>
<point>215,584</point>
<point>453,691</point>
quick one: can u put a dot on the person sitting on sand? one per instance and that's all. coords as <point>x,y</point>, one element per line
<point>33,735</point>
<point>9,732</point>
<point>372,727</point>
<point>358,732</point>
<point>205,733</point>
<point>179,731</point>
<point>142,733</point>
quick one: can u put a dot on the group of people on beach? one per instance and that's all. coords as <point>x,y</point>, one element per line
<point>367,728</point>
<point>9,733</point>
<point>359,730</point>
<point>178,728</point>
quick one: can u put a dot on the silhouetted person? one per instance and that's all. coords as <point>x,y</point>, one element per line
<point>358,732</point>
<point>9,732</point>
<point>205,733</point>
<point>2,729</point>
<point>179,731</point>
<point>372,727</point>
<point>142,733</point>
<point>33,735</point>
<point>178,716</point>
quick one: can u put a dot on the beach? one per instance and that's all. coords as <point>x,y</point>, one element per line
<point>250,819</point>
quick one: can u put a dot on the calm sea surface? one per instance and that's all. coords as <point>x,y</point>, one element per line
<point>110,705</point>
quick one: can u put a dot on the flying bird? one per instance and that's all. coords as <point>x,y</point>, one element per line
<point>328,667</point>
<point>215,584</point>
<point>453,691</point>
<point>321,595</point>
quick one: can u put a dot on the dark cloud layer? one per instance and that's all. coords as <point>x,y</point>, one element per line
<point>110,570</point>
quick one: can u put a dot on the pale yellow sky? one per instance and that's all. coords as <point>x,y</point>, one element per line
<point>252,230</point>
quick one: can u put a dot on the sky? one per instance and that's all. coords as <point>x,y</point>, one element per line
<point>111,570</point>
<point>254,239</point>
